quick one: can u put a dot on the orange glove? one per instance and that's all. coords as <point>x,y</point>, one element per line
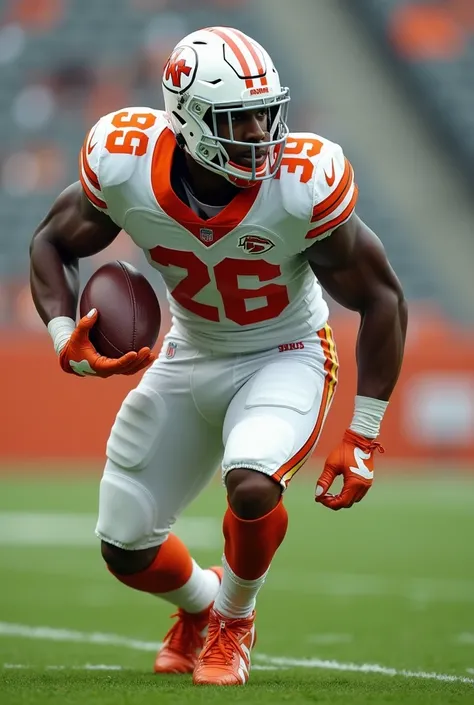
<point>353,459</point>
<point>79,356</point>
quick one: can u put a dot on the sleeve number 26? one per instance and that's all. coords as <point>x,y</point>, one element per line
<point>226,275</point>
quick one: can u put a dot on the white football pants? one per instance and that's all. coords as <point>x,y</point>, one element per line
<point>194,410</point>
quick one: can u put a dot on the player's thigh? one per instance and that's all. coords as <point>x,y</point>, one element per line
<point>160,454</point>
<point>274,421</point>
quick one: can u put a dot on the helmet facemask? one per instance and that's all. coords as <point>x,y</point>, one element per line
<point>211,149</point>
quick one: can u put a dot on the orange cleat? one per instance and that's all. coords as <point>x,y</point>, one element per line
<point>184,641</point>
<point>225,658</point>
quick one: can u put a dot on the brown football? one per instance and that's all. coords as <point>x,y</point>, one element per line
<point>129,312</point>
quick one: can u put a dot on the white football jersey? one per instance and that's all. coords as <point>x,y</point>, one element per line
<point>238,281</point>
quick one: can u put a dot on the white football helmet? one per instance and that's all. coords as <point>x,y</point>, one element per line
<point>221,70</point>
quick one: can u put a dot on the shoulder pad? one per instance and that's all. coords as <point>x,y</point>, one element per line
<point>108,155</point>
<point>334,192</point>
<point>296,172</point>
<point>317,183</point>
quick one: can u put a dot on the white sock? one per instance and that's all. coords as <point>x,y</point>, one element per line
<point>236,597</point>
<point>197,594</point>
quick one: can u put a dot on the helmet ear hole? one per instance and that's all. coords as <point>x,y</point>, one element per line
<point>179,117</point>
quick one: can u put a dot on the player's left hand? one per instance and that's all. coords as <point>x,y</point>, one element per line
<point>354,460</point>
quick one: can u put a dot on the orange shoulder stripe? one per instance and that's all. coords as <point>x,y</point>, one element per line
<point>334,200</point>
<point>89,173</point>
<point>96,201</point>
<point>227,37</point>
<point>336,221</point>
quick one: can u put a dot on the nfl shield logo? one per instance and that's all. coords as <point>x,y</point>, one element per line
<point>171,350</point>
<point>206,234</point>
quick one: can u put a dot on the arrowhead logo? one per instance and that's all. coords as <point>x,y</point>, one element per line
<point>255,245</point>
<point>362,470</point>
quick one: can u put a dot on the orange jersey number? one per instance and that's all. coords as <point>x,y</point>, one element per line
<point>296,157</point>
<point>125,140</point>
<point>226,273</point>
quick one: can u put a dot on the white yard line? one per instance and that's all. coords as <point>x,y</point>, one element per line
<point>71,636</point>
<point>328,638</point>
<point>85,667</point>
<point>332,665</point>
<point>49,529</point>
<point>276,662</point>
<point>465,638</point>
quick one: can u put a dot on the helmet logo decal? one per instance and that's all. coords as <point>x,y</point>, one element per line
<point>175,68</point>
<point>180,69</point>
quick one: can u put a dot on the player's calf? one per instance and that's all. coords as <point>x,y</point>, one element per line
<point>250,545</point>
<point>254,526</point>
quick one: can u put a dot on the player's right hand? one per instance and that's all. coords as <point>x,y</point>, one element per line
<point>79,357</point>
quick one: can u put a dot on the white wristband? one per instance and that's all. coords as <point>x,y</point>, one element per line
<point>368,415</point>
<point>60,330</point>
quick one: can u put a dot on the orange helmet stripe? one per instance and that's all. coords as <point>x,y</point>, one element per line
<point>255,56</point>
<point>238,53</point>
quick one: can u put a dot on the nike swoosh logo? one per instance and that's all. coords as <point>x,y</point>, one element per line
<point>330,179</point>
<point>82,368</point>
<point>90,147</point>
<point>362,470</point>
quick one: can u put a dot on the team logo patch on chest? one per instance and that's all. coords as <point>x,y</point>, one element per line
<point>255,244</point>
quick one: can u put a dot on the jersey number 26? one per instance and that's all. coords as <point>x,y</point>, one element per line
<point>226,275</point>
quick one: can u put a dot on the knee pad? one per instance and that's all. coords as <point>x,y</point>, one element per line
<point>261,442</point>
<point>127,513</point>
<point>133,438</point>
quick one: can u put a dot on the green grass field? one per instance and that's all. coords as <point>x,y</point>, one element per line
<point>372,605</point>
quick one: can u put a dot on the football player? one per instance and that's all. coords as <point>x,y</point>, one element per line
<point>247,223</point>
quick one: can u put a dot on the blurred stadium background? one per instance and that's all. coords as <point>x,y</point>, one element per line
<point>392,81</point>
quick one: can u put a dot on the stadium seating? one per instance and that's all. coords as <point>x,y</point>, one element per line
<point>432,44</point>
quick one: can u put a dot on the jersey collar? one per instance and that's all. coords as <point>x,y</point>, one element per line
<point>209,231</point>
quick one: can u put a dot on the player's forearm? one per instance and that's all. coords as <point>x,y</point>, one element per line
<point>54,282</point>
<point>380,344</point>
